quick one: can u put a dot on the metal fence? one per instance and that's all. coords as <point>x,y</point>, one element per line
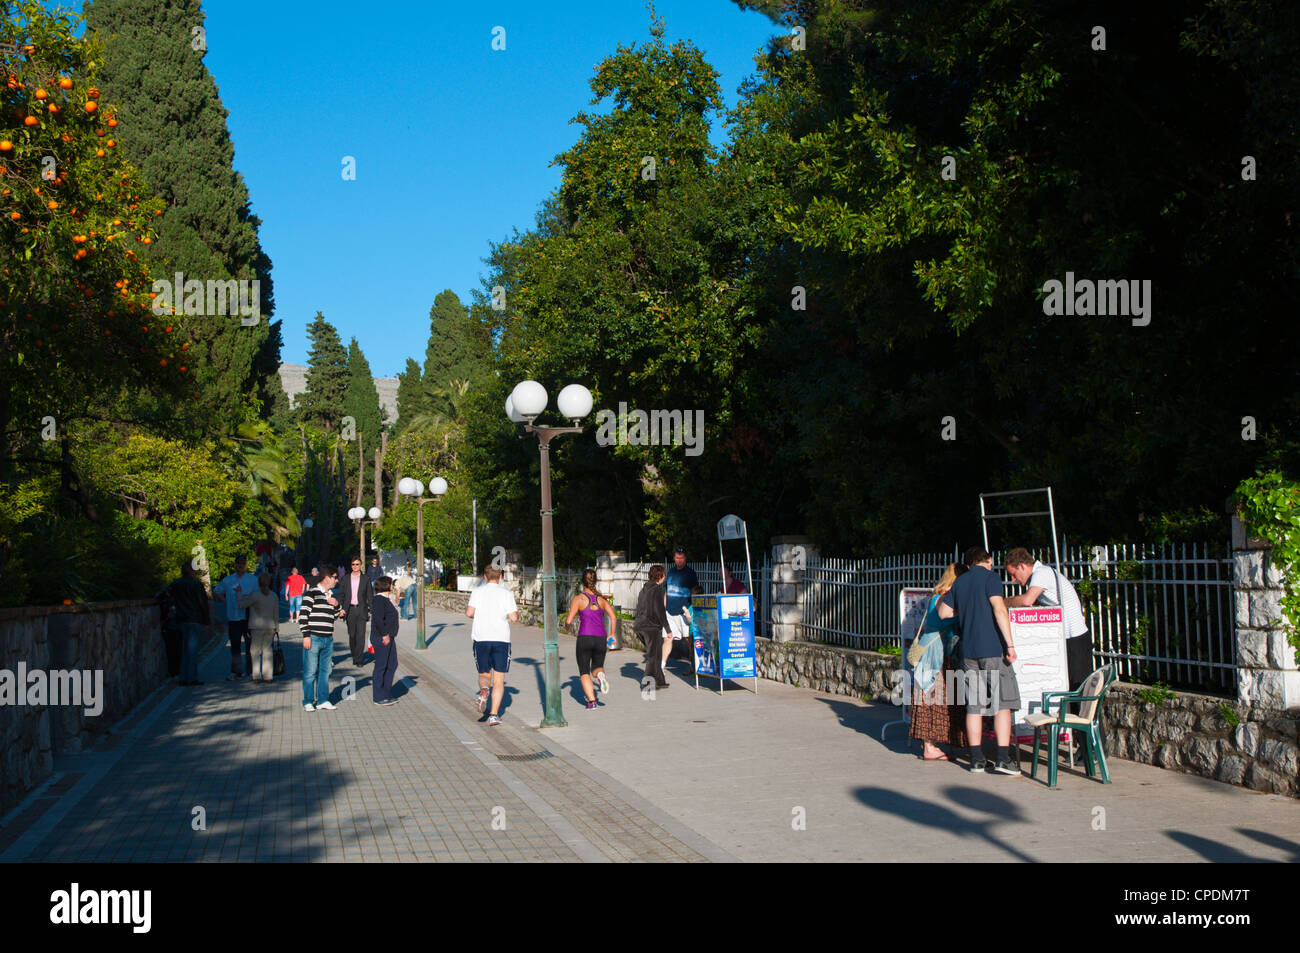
<point>1161,613</point>
<point>854,602</point>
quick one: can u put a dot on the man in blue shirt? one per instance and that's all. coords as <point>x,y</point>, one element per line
<point>238,583</point>
<point>976,599</point>
<point>678,583</point>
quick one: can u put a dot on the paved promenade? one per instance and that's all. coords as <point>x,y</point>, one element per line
<point>786,774</point>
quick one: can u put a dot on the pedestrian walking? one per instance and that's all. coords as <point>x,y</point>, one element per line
<point>263,608</point>
<point>678,583</point>
<point>354,609</point>
<point>373,571</point>
<point>319,610</point>
<point>294,587</point>
<point>194,613</point>
<point>493,608</point>
<point>384,624</point>
<point>589,605</point>
<point>237,618</point>
<point>991,688</point>
<point>651,625</point>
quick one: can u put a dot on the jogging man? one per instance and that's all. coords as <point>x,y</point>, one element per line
<point>316,619</point>
<point>493,608</point>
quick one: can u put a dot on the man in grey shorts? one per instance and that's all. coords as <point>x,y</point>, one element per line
<point>991,687</point>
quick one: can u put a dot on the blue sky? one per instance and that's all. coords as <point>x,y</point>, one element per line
<point>452,140</point>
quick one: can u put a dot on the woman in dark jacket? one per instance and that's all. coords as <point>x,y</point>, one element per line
<point>383,636</point>
<point>650,624</point>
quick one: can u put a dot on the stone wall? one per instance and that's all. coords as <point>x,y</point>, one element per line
<point>1206,736</point>
<point>830,669</point>
<point>120,639</point>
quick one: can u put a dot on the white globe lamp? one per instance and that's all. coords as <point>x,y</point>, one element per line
<point>574,402</point>
<point>529,399</point>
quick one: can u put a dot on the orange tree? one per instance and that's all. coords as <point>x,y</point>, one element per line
<point>76,326</point>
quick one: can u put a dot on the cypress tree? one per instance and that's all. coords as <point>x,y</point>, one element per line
<point>410,395</point>
<point>174,131</point>
<point>321,404</point>
<point>457,350</point>
<point>361,400</point>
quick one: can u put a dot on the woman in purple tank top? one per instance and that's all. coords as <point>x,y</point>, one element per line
<point>589,605</point>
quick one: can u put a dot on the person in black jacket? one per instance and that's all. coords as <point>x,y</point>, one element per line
<point>650,625</point>
<point>383,636</point>
<point>355,594</point>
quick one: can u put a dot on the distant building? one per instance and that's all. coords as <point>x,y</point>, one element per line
<point>293,377</point>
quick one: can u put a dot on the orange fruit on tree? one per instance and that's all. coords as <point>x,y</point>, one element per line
<point>31,121</point>
<point>66,137</point>
<point>91,106</point>
<point>93,93</point>
<point>42,94</point>
<point>5,146</point>
<point>53,205</point>
<point>112,123</point>
<point>110,143</point>
<point>65,82</point>
<point>15,216</point>
<point>100,153</point>
<point>54,109</point>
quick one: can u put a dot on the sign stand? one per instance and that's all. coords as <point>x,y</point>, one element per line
<point>1042,616</point>
<point>722,625</point>
<point>912,606</point>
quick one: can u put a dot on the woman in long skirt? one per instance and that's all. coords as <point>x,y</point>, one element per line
<point>934,720</point>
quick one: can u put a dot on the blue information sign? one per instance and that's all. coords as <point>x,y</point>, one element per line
<point>736,636</point>
<point>704,634</point>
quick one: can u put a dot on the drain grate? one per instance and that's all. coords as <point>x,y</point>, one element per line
<point>535,756</point>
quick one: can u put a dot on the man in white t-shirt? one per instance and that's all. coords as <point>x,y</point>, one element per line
<point>1040,584</point>
<point>493,608</point>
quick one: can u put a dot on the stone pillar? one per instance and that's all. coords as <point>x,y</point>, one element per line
<point>789,555</point>
<point>606,575</point>
<point>1267,674</point>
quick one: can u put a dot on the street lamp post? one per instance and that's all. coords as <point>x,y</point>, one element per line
<point>524,404</point>
<point>414,488</point>
<point>358,514</point>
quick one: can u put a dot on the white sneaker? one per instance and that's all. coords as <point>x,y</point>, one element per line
<point>327,705</point>
<point>309,707</point>
<point>604,684</point>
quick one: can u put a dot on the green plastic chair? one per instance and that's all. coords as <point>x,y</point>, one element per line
<point>1088,697</point>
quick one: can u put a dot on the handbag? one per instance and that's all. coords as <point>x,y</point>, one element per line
<point>277,655</point>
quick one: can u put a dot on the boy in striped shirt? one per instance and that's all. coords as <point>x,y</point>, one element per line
<point>316,620</point>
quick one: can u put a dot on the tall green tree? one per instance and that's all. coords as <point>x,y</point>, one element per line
<point>321,404</point>
<point>457,350</point>
<point>173,127</point>
<point>410,395</point>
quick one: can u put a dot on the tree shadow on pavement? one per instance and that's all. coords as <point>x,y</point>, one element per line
<point>929,814</point>
<point>1212,850</point>
<point>1272,840</point>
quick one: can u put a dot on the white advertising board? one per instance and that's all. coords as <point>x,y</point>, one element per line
<point>1039,636</point>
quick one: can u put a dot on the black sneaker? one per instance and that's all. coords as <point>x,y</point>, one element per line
<point>1007,767</point>
<point>977,767</point>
